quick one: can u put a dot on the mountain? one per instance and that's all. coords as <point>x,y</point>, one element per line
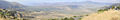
<point>4,4</point>
<point>10,5</point>
<point>16,5</point>
<point>69,7</point>
<point>67,3</point>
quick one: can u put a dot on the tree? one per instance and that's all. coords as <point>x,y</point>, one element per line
<point>71,18</point>
<point>79,18</point>
<point>74,16</point>
<point>52,19</point>
<point>113,7</point>
<point>66,18</point>
<point>118,7</point>
<point>101,10</point>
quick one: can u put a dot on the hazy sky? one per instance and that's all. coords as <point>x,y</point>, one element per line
<point>52,1</point>
<point>106,1</point>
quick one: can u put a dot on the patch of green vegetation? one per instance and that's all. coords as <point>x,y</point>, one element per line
<point>69,18</point>
<point>113,7</point>
<point>79,18</point>
<point>74,16</point>
<point>63,19</point>
<point>52,19</point>
<point>106,9</point>
<point>1,13</point>
<point>101,10</point>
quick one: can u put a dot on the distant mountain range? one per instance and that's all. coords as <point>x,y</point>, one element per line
<point>63,7</point>
<point>68,3</point>
<point>69,7</point>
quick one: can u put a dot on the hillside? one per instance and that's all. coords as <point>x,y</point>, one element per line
<point>2,18</point>
<point>5,6</point>
<point>109,13</point>
<point>106,15</point>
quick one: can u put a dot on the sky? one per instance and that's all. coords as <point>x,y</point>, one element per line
<point>53,1</point>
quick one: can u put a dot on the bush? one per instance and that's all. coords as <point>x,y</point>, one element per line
<point>79,18</point>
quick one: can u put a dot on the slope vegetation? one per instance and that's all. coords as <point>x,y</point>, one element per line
<point>106,15</point>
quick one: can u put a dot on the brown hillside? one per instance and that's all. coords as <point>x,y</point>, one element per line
<point>106,15</point>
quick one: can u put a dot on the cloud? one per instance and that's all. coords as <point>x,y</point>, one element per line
<point>106,1</point>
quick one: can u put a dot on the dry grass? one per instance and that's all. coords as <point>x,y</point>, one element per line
<point>2,18</point>
<point>106,15</point>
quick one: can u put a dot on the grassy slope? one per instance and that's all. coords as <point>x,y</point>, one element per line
<point>106,15</point>
<point>2,18</point>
